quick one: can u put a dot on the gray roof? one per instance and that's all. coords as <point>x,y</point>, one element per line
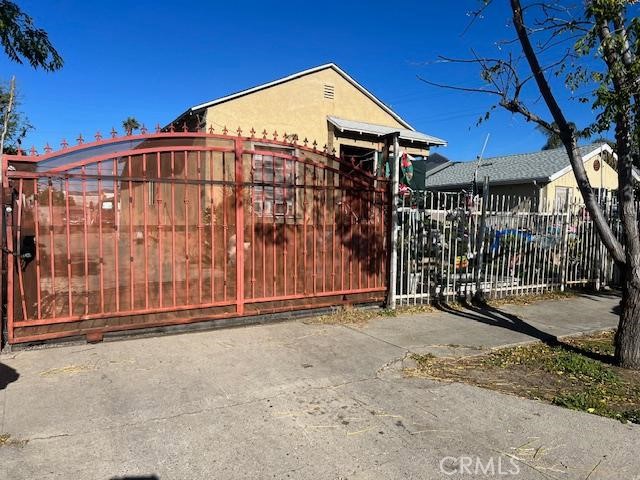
<point>381,130</point>
<point>510,169</point>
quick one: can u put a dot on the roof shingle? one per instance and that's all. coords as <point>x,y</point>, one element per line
<point>509,169</point>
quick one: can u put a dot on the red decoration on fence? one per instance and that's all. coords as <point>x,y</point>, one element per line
<point>64,144</point>
<point>47,148</point>
<point>114,133</point>
<point>80,140</point>
<point>98,136</point>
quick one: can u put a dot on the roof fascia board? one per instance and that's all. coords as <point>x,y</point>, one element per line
<point>585,158</point>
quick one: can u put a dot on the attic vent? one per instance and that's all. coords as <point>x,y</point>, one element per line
<point>329,92</point>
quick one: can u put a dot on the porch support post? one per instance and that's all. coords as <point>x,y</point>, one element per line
<point>395,185</point>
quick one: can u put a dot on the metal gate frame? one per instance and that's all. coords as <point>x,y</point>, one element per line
<point>327,193</point>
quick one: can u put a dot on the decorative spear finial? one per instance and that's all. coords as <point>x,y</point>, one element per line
<point>98,136</point>
<point>64,144</point>
<point>47,148</point>
<point>114,134</point>
<point>211,129</point>
<point>80,140</point>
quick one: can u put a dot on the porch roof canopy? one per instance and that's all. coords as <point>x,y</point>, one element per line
<point>407,137</point>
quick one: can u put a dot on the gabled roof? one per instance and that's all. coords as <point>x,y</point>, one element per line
<point>543,166</point>
<point>382,130</point>
<point>309,71</point>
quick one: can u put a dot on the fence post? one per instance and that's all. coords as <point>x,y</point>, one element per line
<point>479,294</point>
<point>393,257</point>
<point>564,260</point>
<point>239,187</point>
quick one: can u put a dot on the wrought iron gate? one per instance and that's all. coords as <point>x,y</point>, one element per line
<point>173,227</point>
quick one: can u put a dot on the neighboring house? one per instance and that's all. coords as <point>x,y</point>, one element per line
<point>323,105</point>
<point>544,177</point>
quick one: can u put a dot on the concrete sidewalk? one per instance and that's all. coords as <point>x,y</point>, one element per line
<point>301,400</point>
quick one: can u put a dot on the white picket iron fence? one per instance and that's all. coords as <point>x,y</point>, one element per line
<point>451,246</point>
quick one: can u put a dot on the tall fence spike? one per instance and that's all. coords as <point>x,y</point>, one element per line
<point>211,129</point>
<point>252,132</point>
<point>98,136</point>
<point>158,128</point>
<point>33,152</point>
<point>239,131</point>
<point>64,143</point>
<point>114,133</point>
<point>143,129</point>
<point>225,130</point>
<point>47,148</point>
<point>80,140</point>
<point>264,134</point>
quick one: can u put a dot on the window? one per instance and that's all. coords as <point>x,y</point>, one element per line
<point>274,190</point>
<point>563,197</point>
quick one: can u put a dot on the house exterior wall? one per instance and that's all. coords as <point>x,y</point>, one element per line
<point>300,107</point>
<point>606,177</point>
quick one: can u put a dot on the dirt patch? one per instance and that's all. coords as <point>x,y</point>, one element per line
<point>529,299</point>
<point>577,373</point>
<point>358,316</point>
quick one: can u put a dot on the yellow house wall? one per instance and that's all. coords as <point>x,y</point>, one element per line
<point>606,177</point>
<point>299,107</point>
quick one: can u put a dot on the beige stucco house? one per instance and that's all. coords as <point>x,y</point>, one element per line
<point>323,105</point>
<point>545,178</point>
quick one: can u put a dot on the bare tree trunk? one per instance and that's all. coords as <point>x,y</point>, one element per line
<point>628,335</point>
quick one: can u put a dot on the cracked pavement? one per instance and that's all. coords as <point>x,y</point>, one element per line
<point>300,400</point>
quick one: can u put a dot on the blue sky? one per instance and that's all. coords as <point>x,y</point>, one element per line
<point>153,59</point>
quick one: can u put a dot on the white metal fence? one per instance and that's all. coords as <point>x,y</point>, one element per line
<point>449,246</point>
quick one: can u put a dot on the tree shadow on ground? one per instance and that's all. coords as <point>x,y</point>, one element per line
<point>137,477</point>
<point>489,315</point>
<point>7,375</point>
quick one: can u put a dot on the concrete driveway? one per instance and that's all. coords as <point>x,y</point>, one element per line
<point>301,400</point>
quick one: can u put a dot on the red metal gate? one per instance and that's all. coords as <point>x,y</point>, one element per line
<point>177,227</point>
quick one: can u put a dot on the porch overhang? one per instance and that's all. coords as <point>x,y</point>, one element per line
<point>372,131</point>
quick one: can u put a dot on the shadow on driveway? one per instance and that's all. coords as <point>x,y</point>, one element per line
<point>7,375</point>
<point>495,317</point>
